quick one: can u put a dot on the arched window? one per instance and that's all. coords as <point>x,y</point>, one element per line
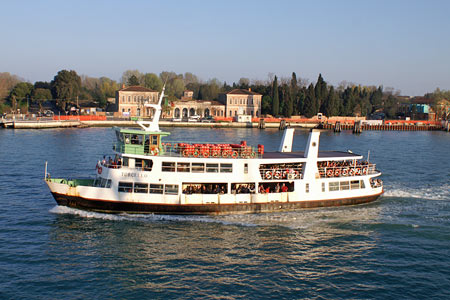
<point>191,112</point>
<point>206,112</point>
<point>177,113</point>
<point>185,112</point>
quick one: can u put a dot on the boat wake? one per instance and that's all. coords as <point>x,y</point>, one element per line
<point>437,193</point>
<point>144,217</point>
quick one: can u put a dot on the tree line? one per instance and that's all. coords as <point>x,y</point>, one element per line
<point>281,96</point>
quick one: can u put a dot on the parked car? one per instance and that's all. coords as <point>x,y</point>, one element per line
<point>176,120</point>
<point>194,118</point>
<point>208,119</point>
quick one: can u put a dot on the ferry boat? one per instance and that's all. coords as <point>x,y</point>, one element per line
<point>148,175</point>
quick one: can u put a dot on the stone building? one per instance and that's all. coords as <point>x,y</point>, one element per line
<point>131,101</point>
<point>202,108</point>
<point>241,102</point>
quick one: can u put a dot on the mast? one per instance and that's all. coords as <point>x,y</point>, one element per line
<point>154,124</point>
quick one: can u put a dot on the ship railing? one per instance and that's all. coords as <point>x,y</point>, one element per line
<point>111,165</point>
<point>343,171</point>
<point>207,150</point>
<point>281,173</point>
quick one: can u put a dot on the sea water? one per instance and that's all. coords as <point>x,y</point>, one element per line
<point>395,248</point>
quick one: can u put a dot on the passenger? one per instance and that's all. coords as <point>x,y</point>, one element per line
<point>284,188</point>
<point>277,188</point>
<point>261,189</point>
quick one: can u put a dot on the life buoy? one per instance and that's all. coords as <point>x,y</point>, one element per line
<point>337,172</point>
<point>196,153</point>
<point>268,175</point>
<point>206,154</point>
<point>252,154</point>
<point>365,171</point>
<point>234,154</point>
<point>330,173</point>
<point>345,172</point>
<point>185,153</point>
<point>224,154</point>
<point>358,171</point>
<point>352,172</point>
<point>277,175</point>
<point>215,154</point>
<point>99,170</point>
<point>155,151</point>
<point>285,174</point>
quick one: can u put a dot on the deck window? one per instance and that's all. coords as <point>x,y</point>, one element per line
<point>154,140</point>
<point>333,186</point>
<point>226,168</point>
<point>125,187</point>
<point>141,188</point>
<point>156,188</point>
<point>363,186</point>
<point>323,187</point>
<point>183,167</point>
<point>212,168</point>
<point>354,184</point>
<point>245,168</point>
<point>168,166</point>
<point>307,188</point>
<point>144,164</point>
<point>198,167</point>
<point>171,189</point>
<point>344,185</point>
<point>125,162</point>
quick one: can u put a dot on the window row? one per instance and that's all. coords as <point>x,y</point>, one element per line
<point>145,188</point>
<point>186,167</point>
<point>345,185</point>
<point>102,182</point>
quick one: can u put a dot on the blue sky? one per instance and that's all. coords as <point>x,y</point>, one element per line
<point>399,44</point>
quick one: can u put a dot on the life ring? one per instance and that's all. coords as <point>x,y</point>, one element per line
<point>99,170</point>
<point>252,154</point>
<point>185,153</point>
<point>234,154</point>
<point>345,172</point>
<point>268,175</point>
<point>155,151</point>
<point>329,173</point>
<point>337,172</point>
<point>215,154</point>
<point>358,171</point>
<point>224,154</point>
<point>351,172</point>
<point>196,153</point>
<point>285,174</point>
<point>365,171</point>
<point>205,154</point>
<point>277,175</point>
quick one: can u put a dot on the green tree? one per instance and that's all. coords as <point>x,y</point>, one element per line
<point>152,81</point>
<point>40,95</point>
<point>133,80</point>
<point>320,93</point>
<point>275,98</point>
<point>22,90</point>
<point>66,85</point>
<point>310,108</point>
<point>128,73</point>
<point>293,93</point>
<point>266,104</point>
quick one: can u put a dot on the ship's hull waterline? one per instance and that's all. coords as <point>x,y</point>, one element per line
<point>203,209</point>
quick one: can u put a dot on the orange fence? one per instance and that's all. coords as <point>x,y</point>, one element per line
<point>80,118</point>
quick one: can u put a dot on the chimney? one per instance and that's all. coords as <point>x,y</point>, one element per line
<point>123,85</point>
<point>249,89</point>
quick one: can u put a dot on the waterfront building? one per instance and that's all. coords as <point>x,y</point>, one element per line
<point>133,101</point>
<point>202,108</point>
<point>241,102</point>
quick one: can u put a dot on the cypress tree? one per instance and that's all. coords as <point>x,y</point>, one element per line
<point>275,98</point>
<point>310,102</point>
<point>293,91</point>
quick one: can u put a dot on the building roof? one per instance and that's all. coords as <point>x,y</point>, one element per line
<point>422,100</point>
<point>137,88</point>
<point>242,92</point>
